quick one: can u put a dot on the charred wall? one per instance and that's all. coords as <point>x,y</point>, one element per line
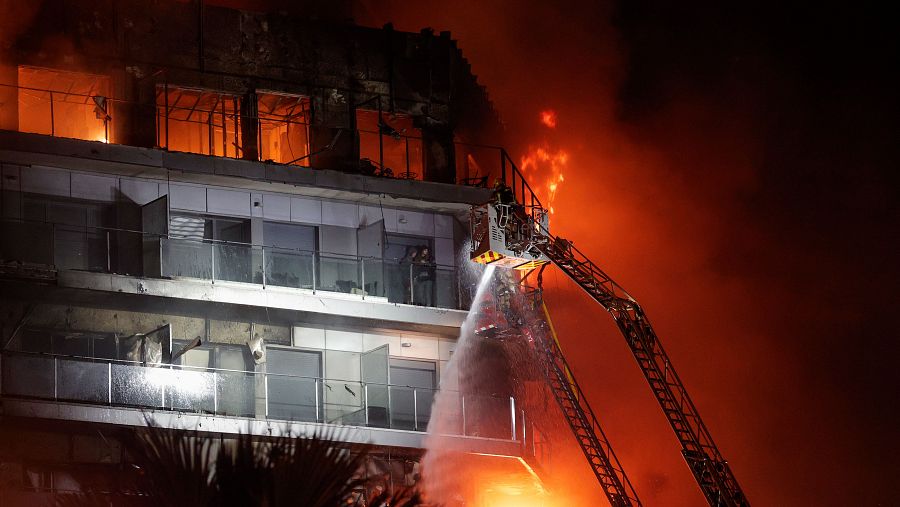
<point>144,44</point>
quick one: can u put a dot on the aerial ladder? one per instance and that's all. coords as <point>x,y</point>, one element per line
<point>512,232</point>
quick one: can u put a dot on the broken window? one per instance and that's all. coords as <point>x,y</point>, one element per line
<point>283,128</point>
<point>390,147</point>
<point>64,104</point>
<point>198,121</point>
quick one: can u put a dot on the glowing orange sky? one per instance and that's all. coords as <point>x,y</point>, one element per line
<point>660,203</point>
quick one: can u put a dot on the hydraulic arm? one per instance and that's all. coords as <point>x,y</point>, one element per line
<point>512,231</point>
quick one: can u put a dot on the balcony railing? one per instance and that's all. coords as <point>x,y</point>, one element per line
<point>258,395</point>
<point>119,251</point>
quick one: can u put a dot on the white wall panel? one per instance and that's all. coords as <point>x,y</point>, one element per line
<point>414,222</point>
<point>139,191</point>
<point>348,341</point>
<point>340,213</point>
<point>339,240</point>
<point>443,252</point>
<point>344,366</point>
<point>421,347</point>
<point>443,226</point>
<point>276,207</point>
<point>256,205</point>
<point>228,202</point>
<point>11,178</point>
<point>94,187</point>
<point>372,214</point>
<point>187,197</point>
<point>309,337</point>
<point>304,210</point>
<point>446,348</point>
<point>44,180</point>
<point>375,340</point>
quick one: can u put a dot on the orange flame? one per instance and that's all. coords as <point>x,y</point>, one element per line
<point>542,160</point>
<point>548,118</point>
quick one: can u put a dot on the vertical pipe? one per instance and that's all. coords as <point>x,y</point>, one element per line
<point>316,386</point>
<point>313,260</point>
<point>55,378</point>
<point>366,402</point>
<point>266,390</point>
<point>412,291</point>
<point>415,409</point>
<point>166,103</point>
<point>362,275</point>
<point>408,174</point>
<point>52,119</point>
<point>524,429</point>
<point>109,383</point>
<point>380,138</point>
<point>212,261</point>
<point>108,256</point>
<point>263,250</point>
<point>215,376</point>
<point>512,417</point>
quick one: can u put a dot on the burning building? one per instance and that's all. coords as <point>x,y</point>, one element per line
<point>233,221</point>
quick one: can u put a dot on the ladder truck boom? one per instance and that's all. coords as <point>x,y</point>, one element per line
<point>512,231</point>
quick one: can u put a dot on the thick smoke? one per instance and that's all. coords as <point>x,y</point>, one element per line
<point>735,169</point>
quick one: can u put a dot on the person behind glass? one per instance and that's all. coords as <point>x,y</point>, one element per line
<point>406,272</point>
<point>424,270</point>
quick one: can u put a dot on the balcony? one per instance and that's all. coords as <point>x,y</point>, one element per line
<point>211,123</point>
<point>134,253</point>
<point>179,389</point>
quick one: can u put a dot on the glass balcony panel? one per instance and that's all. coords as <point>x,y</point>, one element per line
<point>488,417</point>
<point>446,294</point>
<point>80,248</point>
<point>236,392</point>
<point>25,375</point>
<point>398,281</point>
<point>294,398</point>
<point>186,258</point>
<point>82,380</point>
<point>339,274</point>
<point>27,242</point>
<point>424,400</point>
<point>138,386</point>
<point>403,409</point>
<point>236,263</point>
<point>373,269</point>
<point>285,268</point>
<point>191,391</point>
<point>344,403</point>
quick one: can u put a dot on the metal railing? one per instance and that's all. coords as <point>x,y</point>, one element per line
<point>259,395</point>
<point>475,164</point>
<point>121,251</point>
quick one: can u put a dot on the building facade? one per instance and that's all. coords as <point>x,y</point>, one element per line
<point>237,222</point>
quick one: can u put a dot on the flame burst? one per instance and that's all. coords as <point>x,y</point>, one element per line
<point>548,118</point>
<point>545,160</point>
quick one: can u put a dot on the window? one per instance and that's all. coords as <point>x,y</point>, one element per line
<point>234,381</point>
<point>393,140</point>
<point>295,391</point>
<point>413,385</point>
<point>64,104</point>
<point>283,128</point>
<point>198,121</point>
<point>79,242</point>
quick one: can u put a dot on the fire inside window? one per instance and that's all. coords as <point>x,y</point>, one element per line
<point>392,146</point>
<point>64,104</point>
<point>198,121</point>
<point>283,128</point>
